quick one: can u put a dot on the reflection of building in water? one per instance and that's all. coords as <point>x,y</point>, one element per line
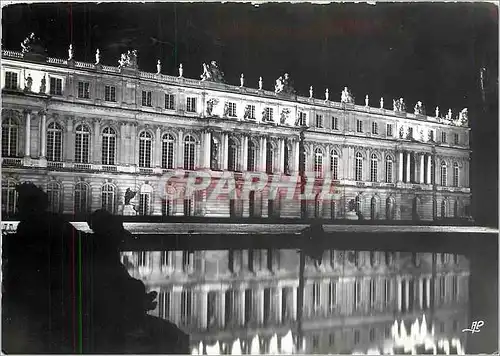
<point>350,301</point>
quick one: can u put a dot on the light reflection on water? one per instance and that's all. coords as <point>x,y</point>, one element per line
<point>245,301</point>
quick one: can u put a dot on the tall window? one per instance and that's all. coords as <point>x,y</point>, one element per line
<point>188,207</point>
<point>442,288</point>
<point>316,297</point>
<point>444,173</point>
<point>387,291</point>
<point>389,130</point>
<point>319,120</point>
<point>268,114</point>
<point>53,195</point>
<point>80,204</point>
<point>164,305</point>
<point>108,146</point>
<point>335,123</point>
<point>144,203</point>
<point>250,112</point>
<point>359,167</point>
<point>252,153</point>
<point>145,144</point>
<point>167,151</point>
<point>390,211</point>
<point>318,162</point>
<point>332,295</point>
<point>170,101</point>
<point>109,93</point>
<point>334,165</point>
<point>82,142</point>
<point>357,294</point>
<point>146,98</point>
<point>189,151</point>
<point>374,128</point>
<point>232,155</point>
<point>231,109</point>
<point>373,168</point>
<point>359,126</point>
<point>269,158</point>
<point>84,90</point>
<point>373,292</point>
<point>191,104</point>
<point>55,87</point>
<point>54,142</point>
<point>431,135</point>
<point>10,130</point>
<point>108,198</point>
<point>186,306</point>
<point>302,118</point>
<point>9,197</point>
<point>455,174</point>
<point>409,134</point>
<point>455,139</point>
<point>388,169</point>
<point>373,208</point>
<point>443,137</point>
<point>443,208</point>
<point>10,80</point>
<point>433,172</point>
<point>454,288</point>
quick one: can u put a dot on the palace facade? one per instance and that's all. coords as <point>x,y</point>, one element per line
<point>86,132</point>
<point>351,300</point>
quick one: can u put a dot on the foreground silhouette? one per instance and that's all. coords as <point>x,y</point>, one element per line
<point>65,291</point>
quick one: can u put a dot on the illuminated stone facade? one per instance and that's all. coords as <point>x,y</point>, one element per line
<point>86,132</point>
<point>350,301</point>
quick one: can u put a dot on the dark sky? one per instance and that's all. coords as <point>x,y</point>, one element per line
<point>428,52</point>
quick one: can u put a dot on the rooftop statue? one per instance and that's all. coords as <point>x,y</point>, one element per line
<point>128,60</point>
<point>346,96</point>
<point>158,67</point>
<point>399,105</point>
<point>437,111</point>
<point>70,52</point>
<point>449,115</point>
<point>367,100</point>
<point>463,118</point>
<point>260,83</point>
<point>212,73</point>
<point>327,95</point>
<point>419,108</point>
<point>32,44</point>
<point>181,70</point>
<point>97,56</point>
<point>242,80</point>
<point>284,85</point>
<point>310,92</point>
<point>381,103</point>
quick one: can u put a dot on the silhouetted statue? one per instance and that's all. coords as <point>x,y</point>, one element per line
<point>66,291</point>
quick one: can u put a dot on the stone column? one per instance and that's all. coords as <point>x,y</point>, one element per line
<point>244,161</point>
<point>422,168</point>
<point>206,149</point>
<point>203,309</point>
<point>43,135</point>
<point>180,150</point>
<point>400,292</point>
<point>157,148</point>
<point>407,294</point>
<point>294,303</point>
<point>264,154</point>
<point>400,166</point>
<point>122,145</point>
<point>224,148</point>
<point>27,141</point>
<point>282,155</point>
<point>222,306</point>
<point>95,138</point>
<point>429,164</point>
<point>69,152</point>
<point>421,292</point>
<point>408,159</point>
<point>428,296</point>
<point>296,156</point>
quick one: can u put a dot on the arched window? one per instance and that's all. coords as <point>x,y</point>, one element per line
<point>358,204</point>
<point>373,168</point>
<point>54,197</point>
<point>54,142</point>
<point>455,174</point>
<point>232,155</point>
<point>108,146</point>
<point>108,198</point>
<point>252,154</point>
<point>388,169</point>
<point>359,167</point>
<point>82,144</point>
<point>145,144</point>
<point>444,173</point>
<point>389,209</point>
<point>9,197</point>
<point>81,198</point>
<point>189,151</point>
<point>443,209</point>
<point>334,165</point>
<point>318,163</point>
<point>167,151</point>
<point>10,130</point>
<point>269,158</point>
<point>145,200</point>
<point>373,208</point>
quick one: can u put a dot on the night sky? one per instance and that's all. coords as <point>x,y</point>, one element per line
<point>427,52</point>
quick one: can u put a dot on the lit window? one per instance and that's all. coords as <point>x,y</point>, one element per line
<point>319,120</point>
<point>374,168</point>
<point>232,155</point>
<point>318,163</point>
<point>335,123</point>
<point>145,141</point>
<point>167,151</point>
<point>82,143</point>
<point>84,90</point>
<point>108,198</point>
<point>455,174</point>
<point>54,142</point>
<point>108,146</point>
<point>55,86</point>
<point>389,130</point>
<point>252,154</point>
<point>388,169</point>
<point>334,165</point>
<point>146,98</point>
<point>9,197</point>
<point>359,167</point>
<point>444,173</point>
<point>374,128</point>
<point>359,126</point>
<point>53,195</point>
<point>170,101</point>
<point>10,80</point>
<point>81,203</point>
<point>109,93</point>
<point>191,104</point>
<point>10,130</point>
<point>189,151</point>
